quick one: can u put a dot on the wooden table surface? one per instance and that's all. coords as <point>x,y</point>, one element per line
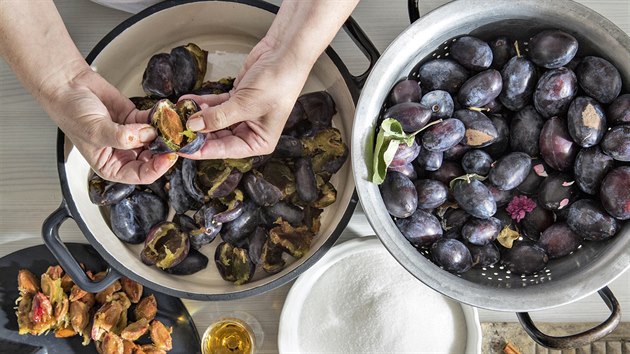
<point>29,184</point>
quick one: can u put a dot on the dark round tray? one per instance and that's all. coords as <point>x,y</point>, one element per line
<point>171,310</point>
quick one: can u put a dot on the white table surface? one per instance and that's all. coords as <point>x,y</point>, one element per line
<point>29,184</point>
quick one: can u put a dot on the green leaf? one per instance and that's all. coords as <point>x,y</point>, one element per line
<point>390,135</point>
<point>383,157</point>
<point>392,129</point>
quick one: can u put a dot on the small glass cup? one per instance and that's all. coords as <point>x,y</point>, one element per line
<point>232,333</point>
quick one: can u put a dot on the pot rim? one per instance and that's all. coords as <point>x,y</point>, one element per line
<point>393,65</point>
<point>124,270</point>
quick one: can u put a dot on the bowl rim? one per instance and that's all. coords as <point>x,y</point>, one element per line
<point>392,64</point>
<point>69,203</point>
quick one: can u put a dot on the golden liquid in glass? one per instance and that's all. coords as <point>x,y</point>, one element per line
<point>228,336</point>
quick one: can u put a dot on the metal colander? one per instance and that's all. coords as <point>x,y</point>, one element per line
<point>565,280</point>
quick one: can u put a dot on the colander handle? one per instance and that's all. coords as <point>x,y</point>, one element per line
<point>576,340</point>
<point>50,233</point>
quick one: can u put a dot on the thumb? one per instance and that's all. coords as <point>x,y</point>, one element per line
<point>218,117</point>
<point>121,136</point>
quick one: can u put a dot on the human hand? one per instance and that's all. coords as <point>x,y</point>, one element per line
<point>107,129</point>
<point>248,120</point>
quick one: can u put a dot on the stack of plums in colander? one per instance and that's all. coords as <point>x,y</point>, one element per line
<point>521,153</point>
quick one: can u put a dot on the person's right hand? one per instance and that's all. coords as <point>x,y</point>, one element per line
<point>107,129</point>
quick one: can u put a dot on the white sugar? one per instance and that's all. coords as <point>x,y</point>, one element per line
<point>368,303</point>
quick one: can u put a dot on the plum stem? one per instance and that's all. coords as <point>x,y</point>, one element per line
<point>518,52</point>
<point>479,109</point>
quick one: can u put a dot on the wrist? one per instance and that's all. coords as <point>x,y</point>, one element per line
<point>60,80</point>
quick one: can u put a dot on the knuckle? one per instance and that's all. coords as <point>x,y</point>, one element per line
<point>123,138</point>
<point>91,133</point>
<point>220,119</point>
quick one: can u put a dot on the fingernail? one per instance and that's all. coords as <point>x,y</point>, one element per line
<point>172,156</point>
<point>196,123</point>
<point>147,134</point>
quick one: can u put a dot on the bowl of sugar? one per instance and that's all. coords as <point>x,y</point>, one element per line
<point>358,299</point>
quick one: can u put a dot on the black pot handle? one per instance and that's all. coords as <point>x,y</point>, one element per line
<point>581,339</point>
<point>366,46</point>
<point>413,10</point>
<point>50,233</point>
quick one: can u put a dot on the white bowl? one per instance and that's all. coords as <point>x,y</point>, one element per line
<point>457,324</point>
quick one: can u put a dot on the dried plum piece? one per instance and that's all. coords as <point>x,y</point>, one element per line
<point>102,192</point>
<point>166,245</point>
<point>146,308</point>
<point>325,141</point>
<point>178,197</point>
<point>329,162</point>
<point>157,79</point>
<point>327,196</point>
<point>144,103</point>
<point>255,245</point>
<point>170,121</point>
<point>272,261</point>
<point>234,207</point>
<point>215,87</point>
<point>288,212</point>
<point>233,263</point>
<point>161,335</point>
<point>296,117</point>
<point>189,180</point>
<point>186,73</point>
<point>312,218</point>
<point>281,176</point>
<point>221,177</point>
<point>319,108</point>
<point>194,262</point>
<point>132,289</point>
<point>259,190</point>
<point>158,188</point>
<point>242,226</point>
<point>132,217</point>
<point>105,318</point>
<point>135,330</point>
<point>288,147</point>
<point>177,73</point>
<point>306,184</point>
<point>110,344</point>
<point>27,282</point>
<point>79,315</point>
<point>294,240</point>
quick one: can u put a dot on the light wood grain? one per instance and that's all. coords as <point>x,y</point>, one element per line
<point>29,184</point>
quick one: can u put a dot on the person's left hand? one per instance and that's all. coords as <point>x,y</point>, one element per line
<point>107,129</point>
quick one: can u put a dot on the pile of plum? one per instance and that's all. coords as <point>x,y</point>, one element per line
<point>520,155</point>
<point>261,208</point>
